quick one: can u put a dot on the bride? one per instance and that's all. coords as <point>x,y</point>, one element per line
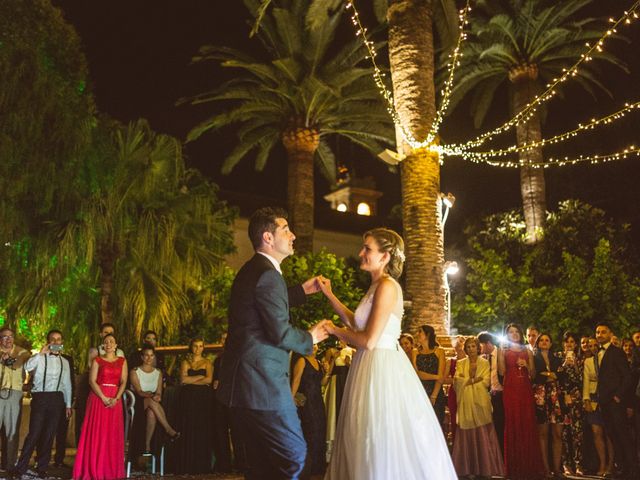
<point>387,429</point>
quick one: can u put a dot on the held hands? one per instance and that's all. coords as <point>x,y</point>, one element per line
<point>320,330</point>
<point>313,285</point>
<point>521,362</point>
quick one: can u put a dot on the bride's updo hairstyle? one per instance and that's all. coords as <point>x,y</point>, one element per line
<point>392,243</point>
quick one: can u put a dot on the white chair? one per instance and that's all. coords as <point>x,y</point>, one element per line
<point>129,406</point>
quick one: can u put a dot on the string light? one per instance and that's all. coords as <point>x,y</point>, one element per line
<point>388,96</point>
<point>529,110</point>
<point>559,162</point>
<point>606,120</point>
<point>523,116</point>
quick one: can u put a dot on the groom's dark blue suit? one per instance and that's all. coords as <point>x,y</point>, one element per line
<point>254,375</point>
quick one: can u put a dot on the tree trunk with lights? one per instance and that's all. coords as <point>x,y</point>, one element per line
<point>532,184</point>
<point>301,145</point>
<point>411,56</point>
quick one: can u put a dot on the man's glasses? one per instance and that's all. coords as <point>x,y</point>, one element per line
<point>5,337</point>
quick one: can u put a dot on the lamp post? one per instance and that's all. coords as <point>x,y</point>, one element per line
<point>447,200</point>
<point>450,268</point>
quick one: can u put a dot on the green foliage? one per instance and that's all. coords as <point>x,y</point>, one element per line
<point>307,81</point>
<point>45,114</point>
<point>505,34</point>
<point>210,305</point>
<point>299,268</point>
<point>583,271</point>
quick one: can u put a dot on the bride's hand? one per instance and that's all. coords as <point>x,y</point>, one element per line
<point>324,284</point>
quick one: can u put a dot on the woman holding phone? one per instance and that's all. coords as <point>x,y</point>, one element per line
<point>571,388</point>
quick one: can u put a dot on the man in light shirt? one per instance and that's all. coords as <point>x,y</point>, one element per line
<point>12,358</point>
<point>490,351</point>
<point>50,397</point>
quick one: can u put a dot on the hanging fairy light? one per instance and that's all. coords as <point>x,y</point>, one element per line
<point>531,108</point>
<point>606,120</point>
<point>388,96</point>
<point>463,150</point>
<point>557,162</point>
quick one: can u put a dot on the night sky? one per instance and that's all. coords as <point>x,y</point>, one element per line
<point>139,55</point>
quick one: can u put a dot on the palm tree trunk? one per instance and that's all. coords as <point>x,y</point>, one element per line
<point>411,56</point>
<point>301,145</point>
<point>532,184</point>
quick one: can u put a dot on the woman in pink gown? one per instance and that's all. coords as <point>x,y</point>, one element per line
<point>101,447</point>
<point>522,456</point>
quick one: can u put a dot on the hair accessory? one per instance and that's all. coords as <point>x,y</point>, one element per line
<point>400,254</point>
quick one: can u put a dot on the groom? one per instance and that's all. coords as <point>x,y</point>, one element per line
<point>254,374</point>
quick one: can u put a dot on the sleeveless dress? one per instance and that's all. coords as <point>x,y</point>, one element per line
<point>522,457</point>
<point>428,362</point>
<point>387,429</point>
<point>313,418</point>
<point>195,447</point>
<point>101,447</point>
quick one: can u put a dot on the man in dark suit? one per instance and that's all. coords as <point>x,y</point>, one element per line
<point>614,397</point>
<point>254,372</point>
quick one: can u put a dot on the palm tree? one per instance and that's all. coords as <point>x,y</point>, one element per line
<point>411,56</point>
<point>145,233</point>
<point>523,45</point>
<point>307,90</point>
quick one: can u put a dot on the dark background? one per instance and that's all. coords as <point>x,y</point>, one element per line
<point>139,54</point>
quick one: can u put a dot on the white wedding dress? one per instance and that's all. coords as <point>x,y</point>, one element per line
<point>387,429</point>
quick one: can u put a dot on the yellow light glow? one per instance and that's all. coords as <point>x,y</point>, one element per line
<point>364,209</point>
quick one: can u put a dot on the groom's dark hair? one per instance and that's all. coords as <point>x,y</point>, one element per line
<point>264,220</point>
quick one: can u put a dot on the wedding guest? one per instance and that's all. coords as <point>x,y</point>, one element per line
<point>307,381</point>
<point>532,334</point>
<point>225,439</point>
<point>549,403</point>
<point>450,369</point>
<point>593,415</point>
<point>105,329</point>
<point>489,350</point>
<point>101,447</point>
<point>63,424</point>
<point>150,338</point>
<point>522,455</point>
<point>12,358</point>
<point>475,448</point>
<point>146,382</point>
<point>408,344</point>
<point>585,351</point>
<point>628,347</point>
<point>429,363</point>
<point>196,445</point>
<point>614,396</point>
<point>50,398</point>
<point>571,380</point>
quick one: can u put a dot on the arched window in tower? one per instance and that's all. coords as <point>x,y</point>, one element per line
<point>364,209</point>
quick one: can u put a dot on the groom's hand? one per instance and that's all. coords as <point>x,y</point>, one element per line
<point>319,331</point>
<point>313,285</point>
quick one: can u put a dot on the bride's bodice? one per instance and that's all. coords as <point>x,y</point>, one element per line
<point>393,328</point>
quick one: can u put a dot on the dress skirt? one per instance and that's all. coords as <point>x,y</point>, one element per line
<point>387,428</point>
<point>476,452</point>
<point>101,448</point>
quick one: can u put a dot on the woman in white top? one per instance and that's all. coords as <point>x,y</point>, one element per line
<point>146,381</point>
<point>593,416</point>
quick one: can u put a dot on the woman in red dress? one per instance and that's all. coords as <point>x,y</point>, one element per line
<point>522,456</point>
<point>101,447</point>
